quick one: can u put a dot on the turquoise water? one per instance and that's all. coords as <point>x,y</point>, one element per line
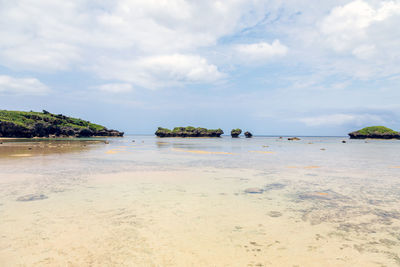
<point>146,201</point>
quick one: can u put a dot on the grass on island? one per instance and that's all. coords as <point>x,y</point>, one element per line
<point>376,130</point>
<point>191,129</point>
<point>188,130</point>
<point>29,119</point>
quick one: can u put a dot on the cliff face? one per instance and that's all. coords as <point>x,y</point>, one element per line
<point>45,124</point>
<point>375,132</point>
<point>188,132</point>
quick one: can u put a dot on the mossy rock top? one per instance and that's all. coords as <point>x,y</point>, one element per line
<point>236,132</point>
<point>44,124</point>
<point>377,132</point>
<point>188,131</point>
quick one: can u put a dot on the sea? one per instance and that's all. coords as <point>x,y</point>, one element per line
<point>148,201</point>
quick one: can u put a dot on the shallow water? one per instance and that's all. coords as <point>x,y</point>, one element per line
<point>189,202</point>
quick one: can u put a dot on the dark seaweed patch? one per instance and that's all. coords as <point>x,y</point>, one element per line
<point>274,186</point>
<point>274,214</point>
<point>31,197</point>
<point>254,190</point>
<point>321,195</point>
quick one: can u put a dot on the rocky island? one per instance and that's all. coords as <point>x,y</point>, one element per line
<point>188,131</point>
<point>375,132</point>
<point>236,132</point>
<point>248,134</point>
<point>45,124</point>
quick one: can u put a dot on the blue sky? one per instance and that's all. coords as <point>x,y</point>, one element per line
<point>272,67</point>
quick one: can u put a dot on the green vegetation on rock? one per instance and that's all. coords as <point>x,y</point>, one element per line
<point>44,124</point>
<point>236,132</point>
<point>188,131</point>
<point>378,132</point>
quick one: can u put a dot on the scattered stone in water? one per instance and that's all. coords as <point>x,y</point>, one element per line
<point>254,190</point>
<point>274,186</point>
<point>32,197</point>
<point>344,141</point>
<point>275,214</point>
<point>293,139</point>
<point>322,149</point>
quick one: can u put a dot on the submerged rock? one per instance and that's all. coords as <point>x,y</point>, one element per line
<point>236,132</point>
<point>274,186</point>
<point>275,214</point>
<point>32,197</point>
<point>321,195</point>
<point>254,190</point>
<point>375,132</point>
<point>248,134</point>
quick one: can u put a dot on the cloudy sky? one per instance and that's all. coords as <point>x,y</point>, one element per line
<point>301,67</point>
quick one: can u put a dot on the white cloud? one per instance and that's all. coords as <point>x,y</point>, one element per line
<point>359,28</point>
<point>115,87</point>
<point>181,67</point>
<point>133,41</point>
<point>44,35</point>
<point>342,119</point>
<point>40,56</point>
<point>22,86</point>
<point>260,52</point>
<point>163,70</point>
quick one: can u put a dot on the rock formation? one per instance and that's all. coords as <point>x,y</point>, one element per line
<point>44,124</point>
<point>236,132</point>
<point>188,132</point>
<point>376,132</point>
<point>248,134</point>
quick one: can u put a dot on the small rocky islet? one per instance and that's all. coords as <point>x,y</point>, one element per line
<point>22,124</point>
<point>191,131</point>
<point>236,132</point>
<point>375,132</point>
<point>188,131</point>
<point>248,134</point>
<point>45,124</point>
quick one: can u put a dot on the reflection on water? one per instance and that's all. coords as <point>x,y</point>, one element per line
<point>200,202</point>
<point>41,147</point>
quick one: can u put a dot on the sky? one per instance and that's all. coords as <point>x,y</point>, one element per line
<point>300,67</point>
